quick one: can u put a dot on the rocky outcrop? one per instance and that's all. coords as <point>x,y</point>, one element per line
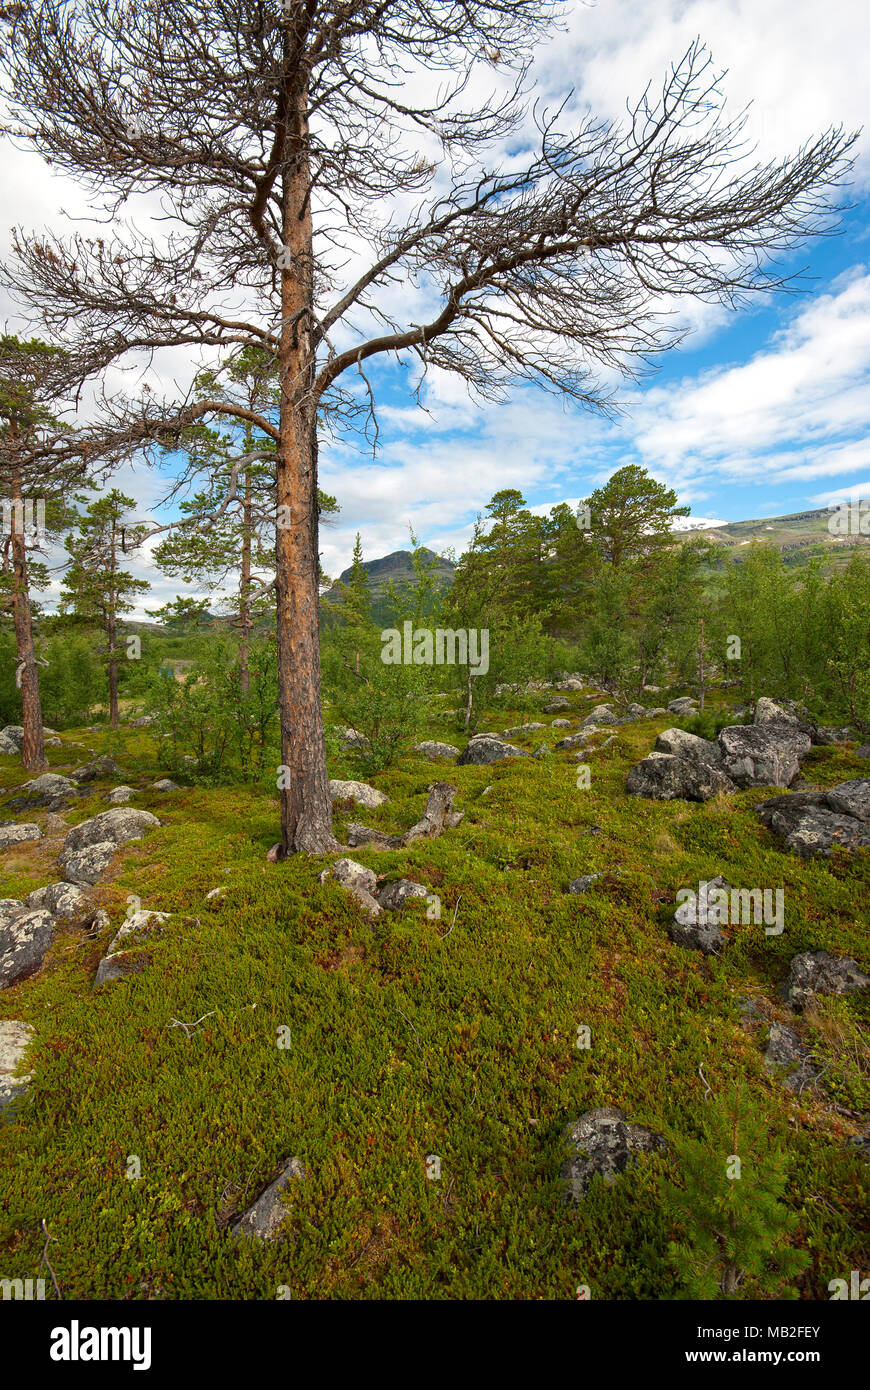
<point>685,767</point>
<point>812,822</point>
<point>666,777</point>
<point>764,755</point>
<point>696,926</point>
<point>12,834</point>
<point>14,1040</point>
<point>437,752</point>
<point>487,748</point>
<point>63,900</point>
<point>359,792</point>
<point>818,972</point>
<point>89,847</point>
<point>604,1142</point>
<point>25,936</point>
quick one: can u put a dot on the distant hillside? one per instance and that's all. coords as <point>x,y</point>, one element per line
<point>805,532</point>
<point>398,569</point>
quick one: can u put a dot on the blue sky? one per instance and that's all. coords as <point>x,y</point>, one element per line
<point>760,412</point>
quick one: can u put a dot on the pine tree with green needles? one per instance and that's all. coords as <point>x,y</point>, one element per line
<point>96,589</point>
<point>733,1223</point>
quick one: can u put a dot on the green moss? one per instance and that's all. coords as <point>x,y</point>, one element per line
<point>413,1036</point>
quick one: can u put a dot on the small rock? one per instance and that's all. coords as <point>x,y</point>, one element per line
<point>557,703</point>
<point>119,796</point>
<point>601,714</point>
<point>141,923</point>
<point>685,705</point>
<point>99,768</point>
<point>120,965</point>
<point>216,893</point>
<point>264,1218</point>
<point>696,922</point>
<point>359,792</point>
<point>12,834</point>
<point>63,900</point>
<point>24,941</point>
<point>488,748</point>
<point>357,880</point>
<point>818,972</point>
<point>583,884</point>
<point>14,1039</point>
<point>786,1053</point>
<point>165,784</point>
<point>435,751</point>
<point>561,724</point>
<point>393,896</point>
<point>604,1142</point>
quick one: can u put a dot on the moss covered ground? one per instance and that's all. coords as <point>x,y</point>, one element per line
<point>411,1036</point>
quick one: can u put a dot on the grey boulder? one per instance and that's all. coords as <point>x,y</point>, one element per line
<point>487,748</point>
<point>14,1039</point>
<point>666,777</point>
<point>764,755</point>
<point>437,752</point>
<point>604,1142</point>
<point>24,940</point>
<point>63,900</point>
<point>119,826</point>
<point>818,972</point>
<point>87,865</point>
<point>359,792</point>
<point>12,834</point>
<point>696,923</point>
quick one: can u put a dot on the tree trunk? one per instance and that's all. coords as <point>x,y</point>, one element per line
<point>306,808</point>
<point>111,634</point>
<point>245,585</point>
<point>32,745</point>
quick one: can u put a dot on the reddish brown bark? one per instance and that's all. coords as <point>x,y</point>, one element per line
<point>32,745</point>
<point>306,808</point>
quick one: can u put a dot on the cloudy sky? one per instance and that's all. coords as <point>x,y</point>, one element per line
<point>759,412</point>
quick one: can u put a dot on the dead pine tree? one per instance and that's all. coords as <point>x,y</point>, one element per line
<point>310,155</point>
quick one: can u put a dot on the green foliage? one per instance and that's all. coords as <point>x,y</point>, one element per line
<point>381,701</point>
<point>804,635</point>
<point>210,730</point>
<point>729,1205</point>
